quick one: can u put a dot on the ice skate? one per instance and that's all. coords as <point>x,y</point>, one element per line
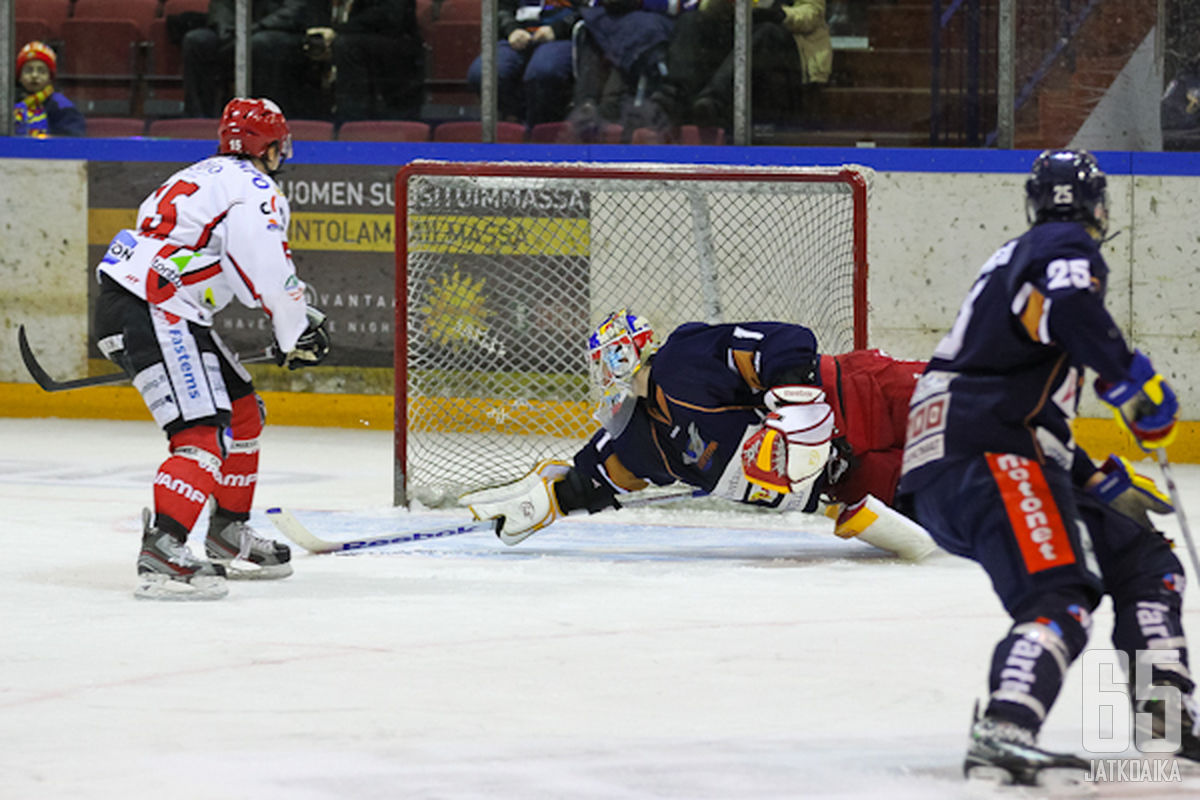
<point>1151,723</point>
<point>244,554</point>
<point>1004,753</point>
<point>167,570</point>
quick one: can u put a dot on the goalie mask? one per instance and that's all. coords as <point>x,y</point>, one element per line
<point>618,347</point>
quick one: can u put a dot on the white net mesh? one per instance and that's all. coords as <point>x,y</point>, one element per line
<point>507,274</point>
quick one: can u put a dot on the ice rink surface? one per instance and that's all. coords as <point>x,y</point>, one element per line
<point>645,653</point>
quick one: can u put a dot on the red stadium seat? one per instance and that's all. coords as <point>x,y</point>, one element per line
<point>691,134</point>
<point>141,12</point>
<point>206,128</point>
<point>114,127</point>
<point>472,131</point>
<point>311,130</point>
<point>553,133</point>
<point>647,136</point>
<point>458,10</point>
<point>164,60</point>
<point>564,133</point>
<point>50,12</point>
<point>184,128</point>
<point>451,47</point>
<point>179,6</point>
<point>30,30</point>
<point>384,130</point>
<point>101,64</point>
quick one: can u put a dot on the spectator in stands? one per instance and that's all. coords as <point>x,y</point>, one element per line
<point>377,56</point>
<point>620,56</point>
<point>791,57</point>
<point>533,60</point>
<point>279,69</point>
<point>1180,109</point>
<point>43,111</point>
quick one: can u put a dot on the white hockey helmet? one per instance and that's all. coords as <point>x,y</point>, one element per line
<point>617,348</point>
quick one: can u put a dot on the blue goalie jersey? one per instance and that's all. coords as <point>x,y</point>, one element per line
<point>1007,377</point>
<point>706,390</point>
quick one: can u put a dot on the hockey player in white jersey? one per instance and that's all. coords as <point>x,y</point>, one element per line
<point>210,233</point>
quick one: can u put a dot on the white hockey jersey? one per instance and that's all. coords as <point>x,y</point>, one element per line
<point>211,232</point>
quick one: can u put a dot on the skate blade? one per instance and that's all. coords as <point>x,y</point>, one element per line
<point>1051,782</point>
<point>1065,782</point>
<point>990,776</point>
<point>242,570</point>
<point>156,586</point>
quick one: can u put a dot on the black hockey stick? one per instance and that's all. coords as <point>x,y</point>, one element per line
<point>51,385</point>
<point>292,528</point>
<point>1160,453</point>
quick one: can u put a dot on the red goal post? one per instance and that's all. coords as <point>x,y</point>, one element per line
<point>502,269</point>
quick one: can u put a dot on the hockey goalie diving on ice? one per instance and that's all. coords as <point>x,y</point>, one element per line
<point>750,412</point>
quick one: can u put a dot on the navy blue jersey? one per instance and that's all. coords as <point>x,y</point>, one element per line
<point>1007,376</point>
<point>706,388</point>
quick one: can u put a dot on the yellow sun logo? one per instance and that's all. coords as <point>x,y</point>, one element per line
<point>456,314</point>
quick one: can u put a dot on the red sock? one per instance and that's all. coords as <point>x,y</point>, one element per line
<point>239,474</point>
<point>187,478</point>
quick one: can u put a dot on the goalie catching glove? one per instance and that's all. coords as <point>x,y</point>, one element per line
<point>790,449</point>
<point>1145,405</point>
<point>312,346</point>
<point>1129,492</point>
<point>524,506</point>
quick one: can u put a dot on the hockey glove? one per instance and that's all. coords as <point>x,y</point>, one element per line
<point>523,506</point>
<point>791,393</point>
<point>312,346</point>
<point>791,447</point>
<point>1130,493</point>
<point>1145,405</point>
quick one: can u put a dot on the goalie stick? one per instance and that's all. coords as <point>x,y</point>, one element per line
<point>292,528</point>
<point>49,384</point>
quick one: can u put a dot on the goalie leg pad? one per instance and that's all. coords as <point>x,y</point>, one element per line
<point>872,521</point>
<point>524,506</point>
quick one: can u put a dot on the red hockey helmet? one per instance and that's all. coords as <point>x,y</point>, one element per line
<point>249,125</point>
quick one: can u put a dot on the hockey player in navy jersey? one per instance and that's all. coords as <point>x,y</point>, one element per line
<point>750,412</point>
<point>992,471</point>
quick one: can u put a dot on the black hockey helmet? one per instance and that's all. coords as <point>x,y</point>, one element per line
<point>1067,186</point>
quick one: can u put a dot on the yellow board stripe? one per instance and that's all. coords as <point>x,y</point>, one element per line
<point>25,400</point>
<point>373,233</point>
<point>442,414</point>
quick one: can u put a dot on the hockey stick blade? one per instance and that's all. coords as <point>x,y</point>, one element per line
<point>43,379</point>
<point>292,528</point>
<point>47,383</point>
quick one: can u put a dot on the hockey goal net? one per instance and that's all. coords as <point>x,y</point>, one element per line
<point>505,269</point>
